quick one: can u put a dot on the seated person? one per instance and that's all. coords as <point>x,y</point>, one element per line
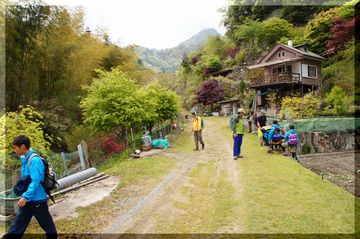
<point>277,140</point>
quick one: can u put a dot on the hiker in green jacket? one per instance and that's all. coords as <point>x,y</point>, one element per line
<point>238,132</point>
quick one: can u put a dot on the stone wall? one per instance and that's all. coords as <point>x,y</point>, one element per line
<point>328,142</point>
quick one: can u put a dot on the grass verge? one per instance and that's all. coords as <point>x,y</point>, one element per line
<point>281,196</point>
<point>144,173</point>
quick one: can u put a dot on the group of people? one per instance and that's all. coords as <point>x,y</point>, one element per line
<point>277,139</point>
<point>271,136</point>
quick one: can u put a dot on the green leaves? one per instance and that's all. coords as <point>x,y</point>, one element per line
<point>338,102</point>
<point>25,122</point>
<point>115,100</point>
<point>301,107</point>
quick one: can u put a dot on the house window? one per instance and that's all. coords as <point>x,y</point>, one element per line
<point>281,54</point>
<point>281,69</point>
<point>312,71</point>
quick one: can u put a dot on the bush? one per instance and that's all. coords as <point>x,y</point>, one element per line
<point>338,102</point>
<point>109,145</point>
<point>74,137</point>
<point>306,148</point>
<point>301,107</point>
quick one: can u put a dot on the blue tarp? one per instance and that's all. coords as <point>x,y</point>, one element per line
<point>160,144</point>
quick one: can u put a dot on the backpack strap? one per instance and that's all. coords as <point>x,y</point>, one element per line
<point>30,158</point>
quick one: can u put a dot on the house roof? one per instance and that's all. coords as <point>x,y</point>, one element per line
<point>227,101</point>
<point>275,62</point>
<point>300,55</point>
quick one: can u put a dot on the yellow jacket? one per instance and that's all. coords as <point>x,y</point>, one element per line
<point>196,125</point>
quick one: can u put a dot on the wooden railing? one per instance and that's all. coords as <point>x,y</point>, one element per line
<point>276,79</point>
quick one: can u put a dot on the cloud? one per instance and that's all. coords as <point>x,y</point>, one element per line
<point>154,24</point>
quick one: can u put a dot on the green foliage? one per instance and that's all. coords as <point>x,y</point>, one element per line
<point>347,11</point>
<point>264,33</point>
<point>301,107</point>
<point>275,28</point>
<point>164,103</point>
<point>300,15</point>
<point>25,122</point>
<point>112,100</point>
<point>272,99</point>
<point>214,46</point>
<point>338,102</point>
<point>306,148</point>
<point>76,134</point>
<point>317,31</point>
<point>208,64</point>
<point>339,70</point>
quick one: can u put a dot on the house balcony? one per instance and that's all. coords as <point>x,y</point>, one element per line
<point>278,79</point>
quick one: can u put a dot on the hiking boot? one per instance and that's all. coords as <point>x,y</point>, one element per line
<point>196,149</point>
<point>202,146</point>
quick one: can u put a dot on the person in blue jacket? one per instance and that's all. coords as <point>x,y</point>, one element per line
<point>272,131</point>
<point>291,141</point>
<point>33,202</point>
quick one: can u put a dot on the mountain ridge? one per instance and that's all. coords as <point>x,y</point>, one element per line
<point>169,59</point>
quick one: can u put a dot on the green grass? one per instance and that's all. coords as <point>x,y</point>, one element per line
<point>133,170</point>
<point>211,202</point>
<point>144,172</point>
<point>185,142</point>
<point>281,196</point>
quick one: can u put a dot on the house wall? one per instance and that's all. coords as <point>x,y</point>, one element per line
<point>296,67</point>
<point>227,108</point>
<point>311,81</point>
<point>288,54</point>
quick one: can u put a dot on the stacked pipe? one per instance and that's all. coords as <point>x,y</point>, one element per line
<point>75,178</point>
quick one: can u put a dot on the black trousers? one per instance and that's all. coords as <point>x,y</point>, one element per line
<point>40,211</point>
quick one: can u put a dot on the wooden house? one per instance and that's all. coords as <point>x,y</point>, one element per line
<point>288,69</point>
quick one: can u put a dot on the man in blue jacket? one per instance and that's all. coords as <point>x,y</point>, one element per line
<point>33,202</point>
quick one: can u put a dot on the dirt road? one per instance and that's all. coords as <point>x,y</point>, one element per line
<point>167,207</point>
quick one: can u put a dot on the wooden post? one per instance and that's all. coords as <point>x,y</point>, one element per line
<point>132,138</point>
<point>81,156</point>
<point>86,153</point>
<point>64,161</point>
<point>126,138</point>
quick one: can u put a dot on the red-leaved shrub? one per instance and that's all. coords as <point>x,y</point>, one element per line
<point>109,145</point>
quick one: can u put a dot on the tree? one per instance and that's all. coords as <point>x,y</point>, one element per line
<point>301,107</point>
<point>337,101</point>
<point>300,15</point>
<point>342,32</point>
<point>25,122</point>
<point>166,101</point>
<point>210,92</point>
<point>207,65</point>
<point>113,101</point>
<point>23,25</point>
<point>317,31</point>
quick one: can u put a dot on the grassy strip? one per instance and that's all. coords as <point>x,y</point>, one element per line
<point>144,172</point>
<point>210,206</point>
<point>281,196</point>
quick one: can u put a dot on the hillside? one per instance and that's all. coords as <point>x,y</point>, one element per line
<point>168,60</point>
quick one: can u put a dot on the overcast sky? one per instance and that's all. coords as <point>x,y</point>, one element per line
<point>151,23</point>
